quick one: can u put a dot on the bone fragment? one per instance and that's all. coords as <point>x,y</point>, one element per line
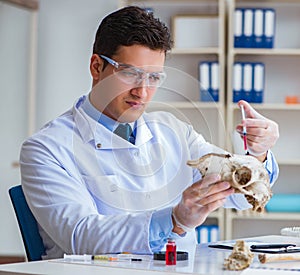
<point>267,258</point>
<point>240,258</point>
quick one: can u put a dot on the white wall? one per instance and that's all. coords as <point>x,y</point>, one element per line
<point>13,116</point>
<point>66,34</point>
<point>66,30</point>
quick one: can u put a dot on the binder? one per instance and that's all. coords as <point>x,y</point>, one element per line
<point>207,233</point>
<point>254,28</point>
<point>204,76</point>
<point>214,233</point>
<point>247,81</point>
<point>258,28</point>
<point>215,81</point>
<point>248,28</point>
<point>209,81</point>
<point>237,81</point>
<point>269,28</point>
<point>258,85</point>
<point>238,28</point>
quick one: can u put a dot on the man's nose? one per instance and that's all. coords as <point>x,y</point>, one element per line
<point>141,89</point>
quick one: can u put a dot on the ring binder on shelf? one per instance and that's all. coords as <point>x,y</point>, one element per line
<point>204,81</point>
<point>209,81</point>
<point>269,28</point>
<point>258,83</point>
<point>238,28</point>
<point>258,28</point>
<point>237,82</point>
<point>248,28</point>
<point>215,81</point>
<point>247,82</point>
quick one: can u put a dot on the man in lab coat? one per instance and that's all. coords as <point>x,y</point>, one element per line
<point>96,188</point>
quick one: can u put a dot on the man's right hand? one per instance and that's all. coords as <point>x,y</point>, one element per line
<point>199,200</point>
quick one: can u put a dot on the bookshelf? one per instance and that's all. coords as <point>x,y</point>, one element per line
<point>181,92</point>
<point>281,80</point>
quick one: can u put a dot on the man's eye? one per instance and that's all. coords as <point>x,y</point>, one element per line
<point>154,77</point>
<point>128,73</point>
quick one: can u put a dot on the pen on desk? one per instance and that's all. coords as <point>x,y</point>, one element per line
<point>274,245</point>
<point>244,131</point>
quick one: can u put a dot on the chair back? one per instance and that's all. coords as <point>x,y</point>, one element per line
<point>32,240</point>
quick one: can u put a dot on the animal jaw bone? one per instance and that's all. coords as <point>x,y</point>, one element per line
<point>246,174</point>
<point>240,258</point>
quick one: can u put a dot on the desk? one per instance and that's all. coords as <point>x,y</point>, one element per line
<point>204,260</point>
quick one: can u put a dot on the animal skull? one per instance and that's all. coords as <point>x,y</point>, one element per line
<point>246,174</point>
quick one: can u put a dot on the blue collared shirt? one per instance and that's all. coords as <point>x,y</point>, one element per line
<point>93,192</point>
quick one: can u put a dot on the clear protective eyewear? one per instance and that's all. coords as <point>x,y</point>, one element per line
<point>133,75</point>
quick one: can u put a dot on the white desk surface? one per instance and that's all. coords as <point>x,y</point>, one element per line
<point>204,261</point>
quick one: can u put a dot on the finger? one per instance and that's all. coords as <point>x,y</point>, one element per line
<point>214,192</point>
<point>213,206</point>
<point>249,111</point>
<point>254,127</point>
<point>207,181</point>
<point>256,123</point>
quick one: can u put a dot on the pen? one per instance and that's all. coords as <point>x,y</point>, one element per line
<point>264,246</point>
<point>244,131</point>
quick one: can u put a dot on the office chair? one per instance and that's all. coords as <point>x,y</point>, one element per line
<point>32,240</point>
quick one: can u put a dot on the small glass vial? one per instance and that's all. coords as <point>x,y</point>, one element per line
<point>171,252</point>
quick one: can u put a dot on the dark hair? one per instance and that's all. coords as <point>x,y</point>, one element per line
<point>131,26</point>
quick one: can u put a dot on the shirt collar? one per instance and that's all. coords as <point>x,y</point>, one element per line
<point>90,129</point>
<point>103,119</point>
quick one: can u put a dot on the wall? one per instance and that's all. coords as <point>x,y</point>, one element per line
<point>66,34</point>
<point>66,30</point>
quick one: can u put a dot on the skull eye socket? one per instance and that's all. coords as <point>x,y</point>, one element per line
<point>242,176</point>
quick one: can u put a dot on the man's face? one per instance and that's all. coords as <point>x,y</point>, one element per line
<point>117,99</point>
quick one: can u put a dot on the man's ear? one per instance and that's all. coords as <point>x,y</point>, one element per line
<point>96,65</point>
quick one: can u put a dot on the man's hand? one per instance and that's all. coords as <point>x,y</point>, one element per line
<point>198,201</point>
<point>262,133</point>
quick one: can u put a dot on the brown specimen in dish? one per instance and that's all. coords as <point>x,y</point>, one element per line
<point>246,174</point>
<point>240,258</point>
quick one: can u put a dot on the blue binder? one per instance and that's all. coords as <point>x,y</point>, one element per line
<point>258,82</point>
<point>204,76</point>
<point>238,28</point>
<point>214,81</point>
<point>258,28</point>
<point>247,81</point>
<point>248,28</point>
<point>269,28</point>
<point>209,81</point>
<point>237,81</point>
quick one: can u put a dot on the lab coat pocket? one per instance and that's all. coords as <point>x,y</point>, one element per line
<point>101,186</point>
<point>108,190</point>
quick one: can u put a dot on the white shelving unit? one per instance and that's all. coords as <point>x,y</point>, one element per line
<point>281,79</point>
<point>181,92</point>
